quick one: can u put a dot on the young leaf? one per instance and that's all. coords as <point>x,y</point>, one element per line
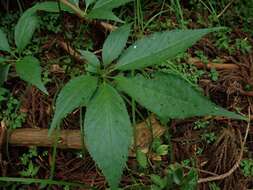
<point>4,45</point>
<point>24,30</point>
<point>29,70</point>
<point>93,63</point>
<point>108,133</point>
<point>157,48</point>
<point>115,43</point>
<point>76,93</point>
<point>170,96</point>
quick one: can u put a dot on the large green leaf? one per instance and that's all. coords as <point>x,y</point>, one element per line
<point>108,133</point>
<point>115,43</point>
<point>4,45</point>
<point>24,30</point>
<point>170,96</point>
<point>157,48</point>
<point>29,70</point>
<point>103,9</point>
<point>76,93</point>
<point>4,71</point>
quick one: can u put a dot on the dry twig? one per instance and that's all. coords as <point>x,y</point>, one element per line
<point>236,165</point>
<point>219,66</point>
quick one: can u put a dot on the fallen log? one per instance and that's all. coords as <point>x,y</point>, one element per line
<point>71,139</point>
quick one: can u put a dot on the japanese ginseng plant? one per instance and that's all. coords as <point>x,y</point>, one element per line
<point>107,128</point>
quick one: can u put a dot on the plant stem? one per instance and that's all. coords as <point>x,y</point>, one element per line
<point>42,181</point>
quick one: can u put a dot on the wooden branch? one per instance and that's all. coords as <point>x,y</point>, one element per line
<point>71,139</point>
<point>39,137</point>
<point>219,66</point>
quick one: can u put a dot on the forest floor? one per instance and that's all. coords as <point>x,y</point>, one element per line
<point>221,64</point>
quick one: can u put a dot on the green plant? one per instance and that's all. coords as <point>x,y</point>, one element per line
<point>107,127</point>
<point>209,137</point>
<point>214,74</point>
<point>223,41</point>
<point>243,45</point>
<point>246,166</point>
<point>201,124</point>
<point>3,94</point>
<point>176,178</point>
<point>159,148</point>
<point>202,56</point>
<point>10,113</point>
<point>30,169</point>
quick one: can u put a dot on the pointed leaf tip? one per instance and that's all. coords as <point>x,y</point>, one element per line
<point>159,47</point>
<point>28,68</point>
<point>170,96</point>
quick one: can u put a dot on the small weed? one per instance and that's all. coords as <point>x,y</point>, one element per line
<point>201,124</point>
<point>3,94</point>
<point>187,71</point>
<point>201,56</point>
<point>30,168</point>
<point>199,151</point>
<point>176,178</point>
<point>243,45</point>
<point>209,137</point>
<point>159,148</point>
<point>223,41</point>
<point>11,115</point>
<point>248,87</point>
<point>214,75</point>
<point>246,166</point>
<point>45,77</point>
